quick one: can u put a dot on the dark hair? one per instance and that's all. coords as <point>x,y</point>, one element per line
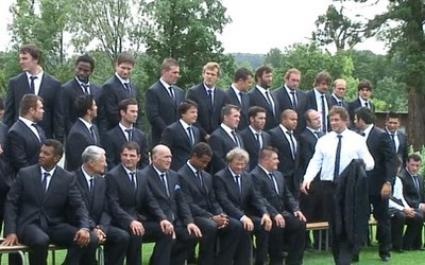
<point>307,115</point>
<point>261,70</point>
<point>32,50</point>
<point>254,110</point>
<point>82,104</point>
<point>392,115</point>
<point>286,113</point>
<point>126,57</point>
<point>322,77</point>
<point>131,145</point>
<point>266,152</point>
<point>85,58</point>
<point>366,115</point>
<point>186,105</point>
<point>242,74</point>
<point>168,63</point>
<point>123,105</point>
<point>226,109</point>
<point>201,149</point>
<point>57,146</point>
<point>28,101</point>
<point>415,157</point>
<point>337,110</point>
<point>364,84</point>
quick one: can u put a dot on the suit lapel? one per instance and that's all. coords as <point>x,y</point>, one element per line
<point>37,184</point>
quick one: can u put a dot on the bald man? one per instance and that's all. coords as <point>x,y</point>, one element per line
<point>339,91</point>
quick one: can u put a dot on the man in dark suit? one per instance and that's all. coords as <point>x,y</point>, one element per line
<point>225,137</point>
<point>284,210</point>
<point>397,137</point>
<point>92,187</point>
<point>237,196</point>
<point>414,193</point>
<point>163,99</point>
<point>261,96</point>
<point>282,137</point>
<point>79,85</point>
<point>253,137</point>
<point>34,81</point>
<point>24,139</point>
<point>37,205</point>
<point>124,132</point>
<point>319,99</point>
<point>83,133</point>
<point>165,186</point>
<point>364,90</point>
<point>381,178</point>
<point>117,88</point>
<point>209,98</point>
<point>131,202</point>
<point>290,96</point>
<point>339,91</point>
<point>4,172</point>
<point>208,215</point>
<point>236,94</point>
<point>182,135</point>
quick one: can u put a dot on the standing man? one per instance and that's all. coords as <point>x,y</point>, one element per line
<point>163,99</point>
<point>209,98</point>
<point>83,133</point>
<point>381,178</point>
<point>208,215</point>
<point>261,96</point>
<point>397,137</point>
<point>33,80</point>
<point>253,137</point>
<point>237,195</point>
<point>319,99</point>
<point>225,138</point>
<point>37,206</point>
<point>25,137</point>
<point>283,139</point>
<point>78,86</point>
<point>117,88</point>
<point>364,90</point>
<point>328,165</point>
<point>290,96</point>
<point>182,135</point>
<point>237,95</point>
<point>340,89</point>
<point>125,132</point>
<point>284,210</point>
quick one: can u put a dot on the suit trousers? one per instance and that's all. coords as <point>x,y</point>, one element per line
<point>381,215</point>
<point>161,254</point>
<point>116,245</point>
<point>181,245</point>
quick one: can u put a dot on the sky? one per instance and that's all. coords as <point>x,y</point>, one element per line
<point>258,25</point>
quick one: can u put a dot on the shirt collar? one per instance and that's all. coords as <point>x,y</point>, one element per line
<point>51,172</point>
<point>262,89</point>
<point>362,102</point>
<point>184,124</point>
<point>158,171</point>
<point>318,93</point>
<point>208,88</point>
<point>265,170</point>
<point>82,83</point>
<point>237,91</point>
<point>123,81</point>
<point>253,130</point>
<point>86,123</point>
<point>367,130</point>
<point>123,128</point>
<point>194,170</point>
<point>388,131</point>
<point>165,84</point>
<point>27,122</point>
<point>128,171</point>
<point>336,97</point>
<point>86,175</point>
<point>313,130</point>
<point>233,173</point>
<point>288,90</point>
<point>39,75</point>
<point>284,129</point>
<point>226,128</point>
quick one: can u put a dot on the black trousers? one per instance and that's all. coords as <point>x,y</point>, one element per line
<point>181,245</point>
<point>382,216</point>
<point>161,254</point>
<point>115,247</point>
<point>412,237</point>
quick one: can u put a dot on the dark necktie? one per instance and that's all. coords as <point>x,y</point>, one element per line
<point>318,134</point>
<point>210,97</point>
<point>46,175</point>
<point>294,99</point>
<point>324,121</point>
<point>91,186</point>
<point>170,89</point>
<point>129,134</point>
<point>38,131</point>
<point>366,104</point>
<point>93,134</point>
<point>337,157</point>
<point>241,95</point>
<point>200,180</point>
<point>257,137</point>
<point>86,88</point>
<point>292,144</point>
<point>133,180</point>
<point>164,182</point>
<point>273,179</point>
<point>235,138</point>
<point>270,101</point>
<point>190,134</point>
<point>127,88</point>
<point>238,183</point>
<point>340,103</point>
<point>393,141</point>
<point>32,85</point>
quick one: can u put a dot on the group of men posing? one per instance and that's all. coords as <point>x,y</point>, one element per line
<point>213,175</point>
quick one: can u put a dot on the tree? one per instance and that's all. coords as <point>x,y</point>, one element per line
<point>273,58</point>
<point>187,31</point>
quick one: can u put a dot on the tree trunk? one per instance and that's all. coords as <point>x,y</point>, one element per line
<point>416,118</point>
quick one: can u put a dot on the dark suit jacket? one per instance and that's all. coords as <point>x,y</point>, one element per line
<point>175,207</point>
<point>236,204</point>
<point>112,93</point>
<point>208,118</point>
<point>115,139</point>
<point>312,104</point>
<point>412,195</point>
<point>232,98</point>
<point>257,99</point>
<point>95,201</point>
<point>5,178</point>
<point>354,106</point>
<point>127,204</point>
<point>252,146</point>
<point>383,154</point>
<point>334,102</point>
<point>78,139</point>
<point>307,143</point>
<point>70,91</point>
<point>161,109</point>
<point>22,146</point>
<point>277,203</point>
<point>50,91</point>
<point>176,138</point>
<point>403,148</point>
<point>221,143</point>
<point>202,201</point>
<point>284,100</point>
<point>27,203</point>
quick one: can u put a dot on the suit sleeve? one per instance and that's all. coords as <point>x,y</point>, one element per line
<point>390,159</point>
<point>109,108</point>
<point>218,152</point>
<point>78,144</point>
<point>18,158</point>
<point>152,204</point>
<point>58,117</point>
<point>257,200</point>
<point>76,203</point>
<point>183,207</point>
<point>223,199</point>
<point>261,188</point>
<point>12,205</point>
<point>66,105</point>
<point>290,201</point>
<point>153,110</point>
<point>120,215</point>
<point>194,208</point>
<point>9,111</point>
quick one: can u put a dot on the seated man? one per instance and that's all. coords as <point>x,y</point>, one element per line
<point>37,205</point>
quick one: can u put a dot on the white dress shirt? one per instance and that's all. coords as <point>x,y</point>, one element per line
<point>37,81</point>
<point>29,124</point>
<point>49,178</point>
<point>318,95</point>
<point>263,92</point>
<point>398,194</point>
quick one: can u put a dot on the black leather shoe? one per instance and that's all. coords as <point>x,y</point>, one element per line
<point>385,258</point>
<point>355,258</point>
